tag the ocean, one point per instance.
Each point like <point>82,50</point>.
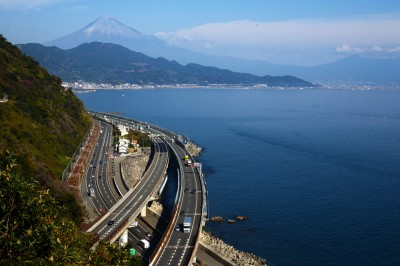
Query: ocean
<point>317,172</point>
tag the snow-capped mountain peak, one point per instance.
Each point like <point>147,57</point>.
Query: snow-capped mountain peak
<point>110,26</point>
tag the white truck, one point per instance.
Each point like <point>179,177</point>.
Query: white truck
<point>187,224</point>
<point>91,192</point>
<point>144,243</point>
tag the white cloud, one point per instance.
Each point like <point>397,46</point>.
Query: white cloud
<point>260,39</point>
<point>347,49</point>
<point>24,4</point>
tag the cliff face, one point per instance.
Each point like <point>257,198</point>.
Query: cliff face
<point>42,122</point>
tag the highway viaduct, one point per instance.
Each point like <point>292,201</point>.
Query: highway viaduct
<point>175,247</point>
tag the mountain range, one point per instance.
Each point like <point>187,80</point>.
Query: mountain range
<point>350,69</point>
<point>114,64</point>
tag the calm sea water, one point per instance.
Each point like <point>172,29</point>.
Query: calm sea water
<point>317,172</point>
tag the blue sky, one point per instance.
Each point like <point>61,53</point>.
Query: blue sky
<point>300,32</point>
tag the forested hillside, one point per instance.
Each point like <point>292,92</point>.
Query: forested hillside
<point>41,124</point>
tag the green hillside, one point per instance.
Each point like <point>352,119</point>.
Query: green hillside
<point>41,124</point>
<point>111,63</point>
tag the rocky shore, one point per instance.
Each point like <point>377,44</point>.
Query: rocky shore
<point>193,149</point>
<point>228,252</point>
<point>133,167</point>
<point>218,246</point>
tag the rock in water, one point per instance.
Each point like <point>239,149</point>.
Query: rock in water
<point>217,219</point>
<point>241,217</point>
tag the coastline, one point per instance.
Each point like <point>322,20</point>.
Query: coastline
<point>221,250</point>
<point>215,244</point>
<point>87,87</point>
<point>92,87</point>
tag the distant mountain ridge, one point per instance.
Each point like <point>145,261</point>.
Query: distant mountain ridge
<point>351,69</point>
<point>110,30</point>
<point>111,63</point>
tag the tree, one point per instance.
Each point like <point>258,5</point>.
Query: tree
<point>34,229</point>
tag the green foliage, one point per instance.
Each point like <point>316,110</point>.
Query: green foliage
<point>35,230</point>
<point>112,254</point>
<point>115,64</point>
<point>42,122</point>
<point>142,138</point>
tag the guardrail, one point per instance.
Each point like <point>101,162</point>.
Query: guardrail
<point>115,236</point>
<point>161,245</point>
<point>75,156</point>
<point>204,204</point>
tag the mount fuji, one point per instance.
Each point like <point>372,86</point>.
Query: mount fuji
<point>110,30</point>
<point>351,69</point>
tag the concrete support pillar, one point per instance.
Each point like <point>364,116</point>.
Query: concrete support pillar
<point>123,239</point>
<point>143,212</point>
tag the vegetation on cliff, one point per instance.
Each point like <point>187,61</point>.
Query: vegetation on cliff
<point>41,124</point>
<point>35,230</point>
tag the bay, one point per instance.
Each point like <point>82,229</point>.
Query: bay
<point>316,171</point>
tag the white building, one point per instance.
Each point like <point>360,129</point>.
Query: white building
<point>123,129</point>
<point>123,145</point>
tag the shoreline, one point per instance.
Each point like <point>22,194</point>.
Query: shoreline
<point>134,167</point>
<point>222,250</point>
<point>91,87</point>
<point>87,87</point>
<point>217,245</point>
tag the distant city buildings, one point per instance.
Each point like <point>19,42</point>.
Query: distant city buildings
<point>82,87</point>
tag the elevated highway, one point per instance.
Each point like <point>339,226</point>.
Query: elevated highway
<point>119,216</point>
<point>175,247</point>
<point>178,247</point>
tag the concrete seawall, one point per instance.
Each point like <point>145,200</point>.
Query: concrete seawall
<point>212,250</point>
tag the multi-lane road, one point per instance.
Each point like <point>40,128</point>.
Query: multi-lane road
<point>118,217</point>
<point>97,178</point>
<point>175,247</point>
<point>180,245</point>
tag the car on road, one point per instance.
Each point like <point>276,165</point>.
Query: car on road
<point>182,213</point>
<point>194,191</point>
<point>186,189</point>
<point>177,228</point>
<point>111,222</point>
<point>148,234</point>
<point>100,209</point>
<point>99,176</point>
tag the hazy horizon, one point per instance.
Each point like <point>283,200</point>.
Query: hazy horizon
<point>302,33</point>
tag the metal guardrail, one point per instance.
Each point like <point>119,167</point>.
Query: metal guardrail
<point>163,242</point>
<point>154,258</point>
<point>116,235</point>
<point>77,153</point>
<point>123,198</point>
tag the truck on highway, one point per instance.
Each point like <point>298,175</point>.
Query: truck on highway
<point>144,243</point>
<point>189,163</point>
<point>187,223</point>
